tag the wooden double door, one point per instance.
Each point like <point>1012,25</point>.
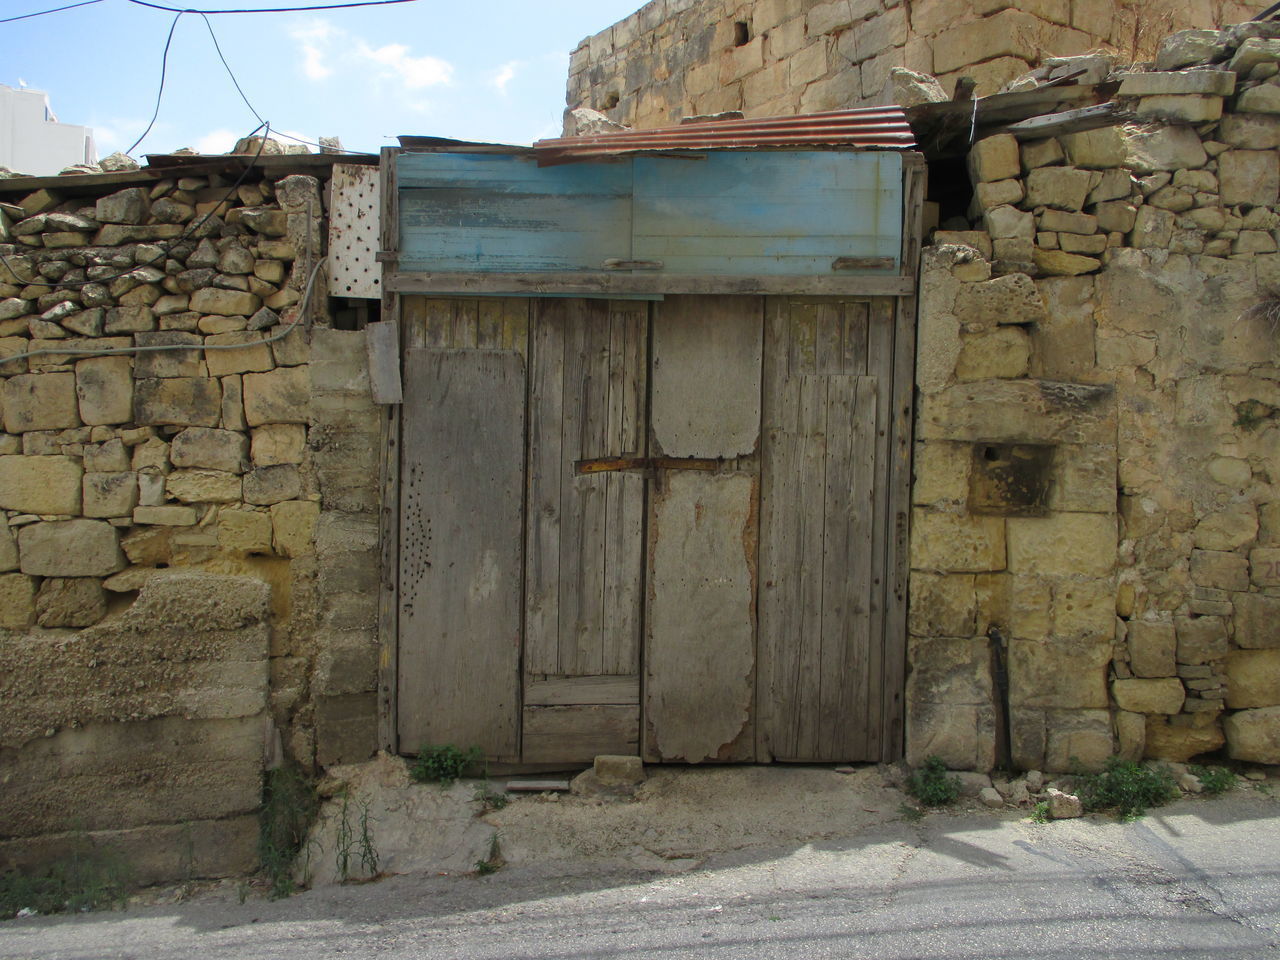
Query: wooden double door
<point>660,528</point>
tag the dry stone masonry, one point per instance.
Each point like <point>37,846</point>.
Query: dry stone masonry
<point>683,58</point>
<point>1099,436</point>
<point>187,523</point>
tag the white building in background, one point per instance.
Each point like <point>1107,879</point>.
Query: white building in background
<point>32,140</point>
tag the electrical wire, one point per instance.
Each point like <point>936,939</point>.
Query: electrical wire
<point>164,347</point>
<point>41,13</point>
<point>186,234</point>
<point>327,6</point>
<point>164,68</point>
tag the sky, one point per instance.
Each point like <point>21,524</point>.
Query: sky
<point>492,70</point>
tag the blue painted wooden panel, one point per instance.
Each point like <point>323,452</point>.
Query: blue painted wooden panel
<point>719,213</point>
<point>775,213</point>
<point>495,213</point>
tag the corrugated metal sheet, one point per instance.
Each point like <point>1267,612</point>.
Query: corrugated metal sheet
<point>873,128</point>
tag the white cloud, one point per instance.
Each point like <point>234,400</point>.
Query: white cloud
<point>504,75</point>
<point>326,48</point>
<point>217,141</point>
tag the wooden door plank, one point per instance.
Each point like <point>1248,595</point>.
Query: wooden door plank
<point>564,691</point>
<point>880,339</point>
<point>580,733</point>
<point>811,493</point>
<point>461,550</point>
<point>547,462</point>
<point>829,337</point>
<point>837,605</point>
<point>855,338</point>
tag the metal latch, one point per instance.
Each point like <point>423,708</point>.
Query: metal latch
<point>646,464</point>
<point>614,263</point>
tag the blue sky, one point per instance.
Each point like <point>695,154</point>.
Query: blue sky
<point>492,70</point>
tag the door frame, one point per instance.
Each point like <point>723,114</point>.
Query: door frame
<point>904,290</point>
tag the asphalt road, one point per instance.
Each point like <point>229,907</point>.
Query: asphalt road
<point>1197,879</point>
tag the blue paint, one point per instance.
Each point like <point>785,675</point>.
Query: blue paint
<point>727,213</point>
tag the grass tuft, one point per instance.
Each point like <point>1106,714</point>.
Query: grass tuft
<point>931,784</point>
<point>88,878</point>
<point>445,764</point>
<point>1128,788</point>
<point>289,807</point>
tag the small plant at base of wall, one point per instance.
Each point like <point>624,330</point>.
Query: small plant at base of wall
<point>88,878</point>
<point>445,764</point>
<point>289,806</point>
<point>1128,788</point>
<point>1214,780</point>
<point>931,784</point>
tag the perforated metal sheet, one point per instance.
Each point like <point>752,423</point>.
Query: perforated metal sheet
<point>354,230</point>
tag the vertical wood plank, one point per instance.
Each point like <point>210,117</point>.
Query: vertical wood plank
<point>461,550</point>
<point>811,470</point>
<point>880,339</point>
<point>547,462</point>
<point>855,338</point>
<point>389,484</point>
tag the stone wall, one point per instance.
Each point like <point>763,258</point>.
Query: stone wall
<point>1098,447</point>
<point>681,58</point>
<point>186,534</point>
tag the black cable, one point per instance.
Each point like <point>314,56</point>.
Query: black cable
<point>327,6</point>
<point>164,66</point>
<point>41,13</point>
<point>186,234</point>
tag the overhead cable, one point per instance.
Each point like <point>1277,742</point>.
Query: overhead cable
<point>324,6</point>
<point>41,13</point>
<point>164,67</point>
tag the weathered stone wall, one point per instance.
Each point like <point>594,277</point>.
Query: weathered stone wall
<point>682,58</point>
<point>1098,456</point>
<point>145,495</point>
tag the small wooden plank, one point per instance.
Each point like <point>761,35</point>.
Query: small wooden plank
<point>579,734</point>
<point>811,456</point>
<point>854,341</point>
<point>389,564</point>
<point>839,607</point>
<point>382,343</point>
<point>461,550</point>
<point>536,785</point>
<point>408,279</point>
<point>829,337</point>
<point>881,361</point>
<point>561,691</point>
<point>1069,121</point>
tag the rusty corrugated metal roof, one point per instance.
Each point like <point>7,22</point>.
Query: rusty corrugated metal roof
<point>871,128</point>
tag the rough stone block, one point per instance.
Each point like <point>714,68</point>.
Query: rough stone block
<point>1220,570</point>
<point>941,473</point>
<point>1008,221</point>
<point>70,602</point>
<point>942,605</point>
<point>1002,352</point>
<point>995,158</point>
<point>41,485</point>
<point>1064,545</point>
<point>1227,529</point>
<point>1177,740</point>
<point>1084,608</point>
<point>1201,639</point>
<point>129,319</point>
<point>104,390</point>
<point>17,601</point>
<point>1256,621</point>
<point>70,548</point>
<point>225,450</point>
<point>346,728</point>
<point>617,771</point>
<point>1078,738</point>
<point>253,357</point>
<point>1066,674</point>
<point>1264,566</point>
<point>1116,216</point>
<point>1253,678</point>
<point>244,531</point>
<point>1181,109</point>
<point>225,303</point>
<point>1152,228</point>
<point>276,443</point>
<point>1060,263</point>
<point>268,485</point>
<point>1254,735</point>
<point>1131,735</point>
<point>40,401</point>
<point>280,396</point>
<point>1064,188</point>
<point>1153,648</point>
<point>178,401</point>
<point>110,494</point>
<point>8,547</point>
<point>957,544</point>
<point>1098,149</point>
<point>203,486</point>
<point>1164,695</point>
<point>1250,131</point>
<point>169,516</point>
<point>1217,83</point>
<point>1157,148</point>
<point>1011,299</point>
<point>169,363</point>
<point>962,735</point>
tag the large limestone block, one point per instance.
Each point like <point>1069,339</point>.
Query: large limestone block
<point>1101,149</point>
<point>1201,639</point>
<point>1161,147</point>
<point>43,485</point>
<point>40,401</point>
<point>281,396</point>
<point>1011,299</point>
<point>1068,674</point>
<point>1264,566</point>
<point>225,303</point>
<point>1249,176</point>
<point>1084,608</point>
<point>17,601</point>
<point>1002,352</point>
<point>250,354</point>
<point>1218,83</point>
<point>1153,648</point>
<point>942,605</point>
<point>244,531</point>
<point>130,205</point>
<point>1181,738</point>
<point>1227,529</point>
<point>954,543</point>
<point>70,548</point>
<point>1254,735</point>
<point>8,547</point>
<point>1219,570</point>
<point>950,670</point>
<point>178,401</point>
<point>70,602</point>
<point>110,494</point>
<point>1191,47</point>
<point>995,158</point>
<point>104,390</point>
<point>1253,678</point>
<point>1260,99</point>
<point>275,443</point>
<point>1063,545</point>
<point>1152,228</point>
<point>1256,621</point>
<point>1149,696</point>
<point>293,525</point>
<point>997,411</point>
<point>203,486</point>
<point>1078,739</point>
<point>267,485</point>
<point>213,449</point>
<point>1250,131</point>
<point>1064,188</point>
<point>1060,263</point>
<point>169,363</point>
<point>962,735</point>
<point>1180,109</point>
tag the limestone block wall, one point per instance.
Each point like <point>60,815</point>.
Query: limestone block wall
<point>682,58</point>
<point>147,496</point>
<point>1098,447</point>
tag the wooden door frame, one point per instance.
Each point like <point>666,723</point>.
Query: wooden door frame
<point>904,289</point>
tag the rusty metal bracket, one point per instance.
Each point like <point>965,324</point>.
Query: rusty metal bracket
<point>614,263</point>
<point>863,263</point>
<point>646,464</point>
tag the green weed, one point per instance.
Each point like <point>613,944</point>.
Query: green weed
<point>289,807</point>
<point>494,861</point>
<point>355,842</point>
<point>1127,787</point>
<point>931,784</point>
<point>1215,780</point>
<point>909,813</point>
<point>490,799</point>
<point>1040,812</point>
<point>86,879</point>
<point>445,764</point>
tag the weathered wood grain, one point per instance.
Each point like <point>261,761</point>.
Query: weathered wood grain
<point>461,501</point>
<point>579,733</point>
<point>561,691</point>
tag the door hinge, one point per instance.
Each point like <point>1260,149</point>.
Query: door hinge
<point>616,464</point>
